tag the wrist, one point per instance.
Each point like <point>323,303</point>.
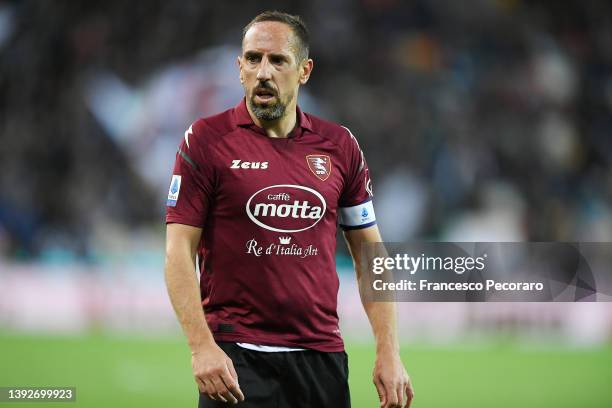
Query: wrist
<point>201,344</point>
<point>387,349</point>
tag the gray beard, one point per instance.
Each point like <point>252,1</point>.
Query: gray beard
<point>269,112</point>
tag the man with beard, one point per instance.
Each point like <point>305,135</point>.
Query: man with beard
<point>256,195</point>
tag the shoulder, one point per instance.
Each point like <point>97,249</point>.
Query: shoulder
<point>213,127</point>
<point>201,137</point>
<point>334,132</point>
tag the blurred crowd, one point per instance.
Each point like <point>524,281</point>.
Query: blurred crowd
<point>484,120</point>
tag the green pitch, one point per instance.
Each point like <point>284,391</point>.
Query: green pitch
<point>132,372</point>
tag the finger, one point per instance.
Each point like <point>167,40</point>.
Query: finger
<point>201,385</point>
<point>232,386</point>
<point>409,394</point>
<point>222,391</point>
<point>210,389</point>
<point>391,394</point>
<point>399,393</point>
<point>381,392</point>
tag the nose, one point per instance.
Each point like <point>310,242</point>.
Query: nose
<point>263,73</point>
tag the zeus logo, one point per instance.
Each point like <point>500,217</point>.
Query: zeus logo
<point>239,164</point>
<point>303,211</point>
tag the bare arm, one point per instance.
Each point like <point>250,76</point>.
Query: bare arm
<point>182,284</point>
<point>213,370</point>
<point>390,377</point>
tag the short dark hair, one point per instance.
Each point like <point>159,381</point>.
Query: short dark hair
<point>296,24</point>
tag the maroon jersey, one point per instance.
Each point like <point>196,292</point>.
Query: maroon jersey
<point>269,212</point>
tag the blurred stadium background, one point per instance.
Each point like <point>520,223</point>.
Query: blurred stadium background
<point>483,120</point>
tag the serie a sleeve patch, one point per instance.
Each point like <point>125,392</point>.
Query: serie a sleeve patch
<point>358,216</point>
<point>175,189</point>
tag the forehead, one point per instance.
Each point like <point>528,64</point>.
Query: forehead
<point>269,36</point>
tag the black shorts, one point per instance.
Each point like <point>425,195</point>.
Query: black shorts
<point>291,379</point>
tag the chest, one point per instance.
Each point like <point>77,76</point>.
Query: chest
<point>296,181</point>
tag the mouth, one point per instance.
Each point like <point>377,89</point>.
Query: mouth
<point>264,94</point>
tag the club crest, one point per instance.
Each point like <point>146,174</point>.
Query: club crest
<point>320,165</point>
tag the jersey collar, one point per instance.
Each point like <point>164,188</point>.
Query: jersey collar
<point>243,119</point>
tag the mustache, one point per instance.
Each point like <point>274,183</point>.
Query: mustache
<point>265,86</point>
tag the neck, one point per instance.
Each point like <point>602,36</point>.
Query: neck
<point>280,127</point>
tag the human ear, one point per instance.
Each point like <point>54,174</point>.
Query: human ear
<point>239,63</point>
<point>305,70</point>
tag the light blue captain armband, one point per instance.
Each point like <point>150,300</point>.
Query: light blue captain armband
<point>358,216</point>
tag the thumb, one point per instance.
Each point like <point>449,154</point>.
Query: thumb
<point>232,370</point>
<point>234,375</point>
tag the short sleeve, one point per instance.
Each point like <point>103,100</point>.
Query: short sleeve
<point>192,183</point>
<point>356,207</point>
<point>358,186</point>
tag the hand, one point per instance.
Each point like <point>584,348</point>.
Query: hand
<point>392,381</point>
<point>215,374</point>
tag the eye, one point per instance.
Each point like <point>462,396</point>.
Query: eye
<point>252,58</point>
<point>276,60</point>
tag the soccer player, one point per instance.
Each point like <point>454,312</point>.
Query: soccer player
<point>255,197</point>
